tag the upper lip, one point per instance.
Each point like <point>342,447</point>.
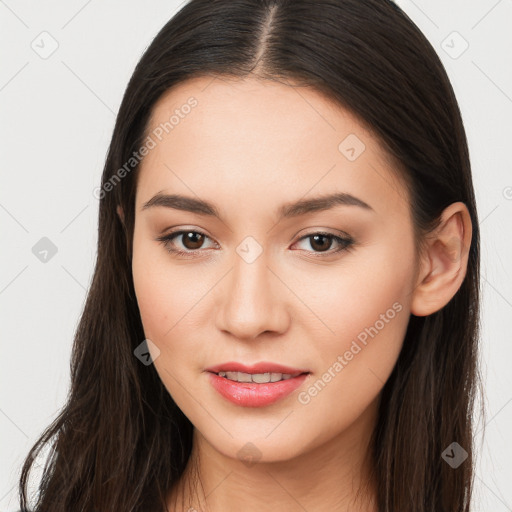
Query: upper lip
<point>263,367</point>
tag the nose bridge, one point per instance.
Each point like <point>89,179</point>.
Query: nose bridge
<point>252,302</point>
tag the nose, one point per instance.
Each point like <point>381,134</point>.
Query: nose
<point>253,300</point>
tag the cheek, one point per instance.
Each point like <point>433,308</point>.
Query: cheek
<point>357,360</point>
<point>367,311</point>
<point>169,301</point>
<point>368,289</point>
<point>153,298</point>
<point>161,309</point>
<point>156,288</point>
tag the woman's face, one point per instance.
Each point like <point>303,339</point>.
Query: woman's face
<point>264,280</point>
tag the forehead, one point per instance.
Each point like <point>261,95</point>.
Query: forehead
<point>251,139</point>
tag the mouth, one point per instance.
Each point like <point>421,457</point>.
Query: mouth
<point>258,385</point>
<point>258,378</point>
<point>259,373</point>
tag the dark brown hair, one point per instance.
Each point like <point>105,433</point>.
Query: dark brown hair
<point>120,442</point>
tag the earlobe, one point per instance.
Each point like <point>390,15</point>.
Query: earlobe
<point>444,265</point>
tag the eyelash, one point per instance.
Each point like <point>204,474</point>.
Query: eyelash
<point>346,243</point>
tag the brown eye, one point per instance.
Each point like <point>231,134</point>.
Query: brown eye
<point>184,243</point>
<point>321,242</point>
<point>192,240</point>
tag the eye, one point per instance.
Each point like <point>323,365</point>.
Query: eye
<point>192,242</point>
<point>322,243</point>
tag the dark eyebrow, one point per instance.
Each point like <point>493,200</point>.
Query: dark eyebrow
<point>288,210</point>
<point>325,202</point>
<point>185,203</point>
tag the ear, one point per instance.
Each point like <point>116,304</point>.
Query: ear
<point>443,267</point>
<point>120,213</point>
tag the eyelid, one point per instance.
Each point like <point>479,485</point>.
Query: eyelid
<point>170,236</point>
<point>345,240</point>
<point>324,231</point>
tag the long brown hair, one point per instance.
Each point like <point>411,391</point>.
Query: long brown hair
<point>120,442</point>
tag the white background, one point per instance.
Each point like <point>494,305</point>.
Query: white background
<point>57,116</point>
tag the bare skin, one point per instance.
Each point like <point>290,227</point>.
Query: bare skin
<point>249,147</point>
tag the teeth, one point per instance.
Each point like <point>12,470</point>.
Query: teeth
<point>258,378</point>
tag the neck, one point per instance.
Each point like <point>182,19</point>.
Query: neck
<point>326,478</point>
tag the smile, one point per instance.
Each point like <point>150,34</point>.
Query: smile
<point>261,390</point>
<point>258,378</point>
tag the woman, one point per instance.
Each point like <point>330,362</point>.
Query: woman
<point>284,309</point>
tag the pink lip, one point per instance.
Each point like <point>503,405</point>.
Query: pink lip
<point>250,394</point>
<point>263,367</point>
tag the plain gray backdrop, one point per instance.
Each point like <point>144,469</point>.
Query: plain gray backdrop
<point>64,68</point>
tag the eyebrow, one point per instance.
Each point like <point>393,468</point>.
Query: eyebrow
<point>287,210</point>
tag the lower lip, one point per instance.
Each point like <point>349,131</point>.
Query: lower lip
<point>250,394</point>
